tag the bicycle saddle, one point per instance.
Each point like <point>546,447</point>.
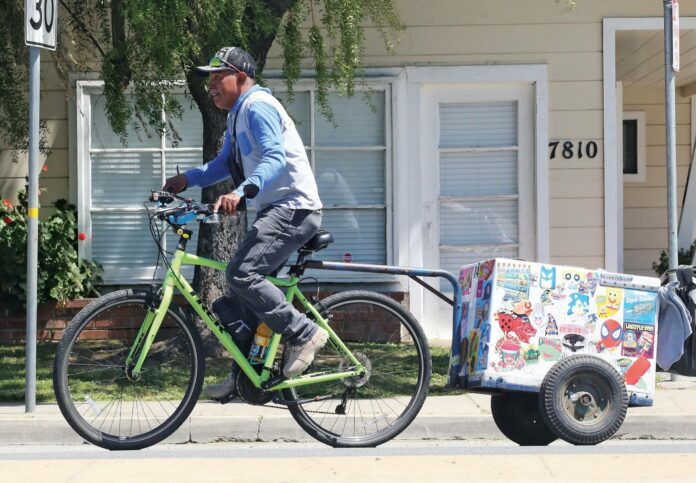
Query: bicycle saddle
<point>319,241</point>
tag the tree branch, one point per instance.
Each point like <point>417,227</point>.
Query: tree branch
<point>84,29</point>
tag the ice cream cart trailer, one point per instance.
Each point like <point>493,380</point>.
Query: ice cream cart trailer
<point>563,351</point>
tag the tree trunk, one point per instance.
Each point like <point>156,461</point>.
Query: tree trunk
<point>218,241</point>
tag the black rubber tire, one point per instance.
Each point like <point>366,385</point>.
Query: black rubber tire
<point>418,355</point>
<point>189,343</point>
<point>605,389</point>
<point>518,417</point>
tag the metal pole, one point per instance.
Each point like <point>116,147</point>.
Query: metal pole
<point>673,224</point>
<point>33,227</point>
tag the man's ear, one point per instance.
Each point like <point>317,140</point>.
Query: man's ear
<point>241,78</point>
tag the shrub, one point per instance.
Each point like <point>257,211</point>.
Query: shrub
<point>61,274</point>
<point>684,257</point>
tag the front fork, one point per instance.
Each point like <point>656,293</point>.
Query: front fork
<point>151,324</point>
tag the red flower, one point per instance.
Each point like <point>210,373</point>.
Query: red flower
<point>7,204</point>
<point>82,237</point>
<point>44,168</point>
<point>8,220</point>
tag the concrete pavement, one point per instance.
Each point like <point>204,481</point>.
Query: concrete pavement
<point>465,416</point>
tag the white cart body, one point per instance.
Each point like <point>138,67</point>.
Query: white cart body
<point>520,318</point>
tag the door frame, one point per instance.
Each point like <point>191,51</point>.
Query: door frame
<point>408,158</point>
<point>613,169</point>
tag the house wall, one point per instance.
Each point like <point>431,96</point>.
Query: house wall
<point>466,32</point>
<point>645,203</point>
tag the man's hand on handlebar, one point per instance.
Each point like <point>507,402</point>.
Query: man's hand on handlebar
<point>227,204</point>
<point>175,184</point>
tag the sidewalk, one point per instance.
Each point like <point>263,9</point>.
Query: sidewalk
<point>467,416</point>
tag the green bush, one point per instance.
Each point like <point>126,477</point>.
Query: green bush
<point>61,274</point>
<point>684,257</point>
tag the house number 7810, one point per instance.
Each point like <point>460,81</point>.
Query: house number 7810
<point>571,149</point>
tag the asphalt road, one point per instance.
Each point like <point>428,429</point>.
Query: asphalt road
<point>396,461</point>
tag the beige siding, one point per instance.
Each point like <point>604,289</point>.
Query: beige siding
<point>468,32</point>
<point>645,203</point>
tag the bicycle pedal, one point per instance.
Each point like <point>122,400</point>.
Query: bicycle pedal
<point>228,398</point>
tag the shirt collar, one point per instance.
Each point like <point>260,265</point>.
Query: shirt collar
<point>243,97</point>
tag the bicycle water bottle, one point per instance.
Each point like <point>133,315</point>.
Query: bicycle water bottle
<point>259,347</point>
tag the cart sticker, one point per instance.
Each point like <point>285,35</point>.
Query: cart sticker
<point>573,278</point>
<point>531,354</point>
<point>636,371</point>
<point>609,303</point>
<point>614,278</point>
<point>579,305</point>
<point>638,340</point>
<point>472,359</point>
<point>640,307</point>
<point>612,336</point>
<point>574,342</point>
<point>466,277</point>
<point>623,364</point>
<point>551,327</point>
<point>549,349</point>
<point>483,347</point>
<point>511,322</point>
<point>547,277</point>
<point>515,280</point>
<point>485,270</point>
<point>509,350</point>
<point>537,317</point>
<point>546,297</point>
<point>463,355</point>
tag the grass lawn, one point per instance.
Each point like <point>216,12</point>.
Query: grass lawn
<point>12,372</point>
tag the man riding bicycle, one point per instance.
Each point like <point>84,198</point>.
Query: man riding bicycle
<point>263,148</point>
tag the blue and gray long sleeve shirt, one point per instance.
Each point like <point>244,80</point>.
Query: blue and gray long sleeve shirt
<point>272,152</point>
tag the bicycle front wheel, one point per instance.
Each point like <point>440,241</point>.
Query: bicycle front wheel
<point>99,396</point>
<point>372,408</point>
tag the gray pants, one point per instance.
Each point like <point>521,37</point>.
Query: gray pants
<point>274,237</point>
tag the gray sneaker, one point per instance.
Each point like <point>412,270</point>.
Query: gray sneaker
<point>226,390</point>
<point>299,357</point>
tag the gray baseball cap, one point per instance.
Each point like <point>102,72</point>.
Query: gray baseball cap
<point>229,58</point>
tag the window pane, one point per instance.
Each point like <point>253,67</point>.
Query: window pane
<point>124,179</point>
<point>478,222</point>
<point>358,232</point>
<point>122,240</point>
<point>491,124</point>
<point>189,128</point>
<point>299,112</point>
<point>351,178</point>
<point>630,146</point>
<point>356,123</point>
<point>477,174</point>
<point>102,135</point>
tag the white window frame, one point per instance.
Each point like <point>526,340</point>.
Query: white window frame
<point>638,116</point>
<point>383,83</point>
<point>84,91</point>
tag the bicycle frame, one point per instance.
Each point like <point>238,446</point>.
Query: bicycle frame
<point>172,280</point>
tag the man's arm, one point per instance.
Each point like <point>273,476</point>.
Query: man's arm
<point>215,170</point>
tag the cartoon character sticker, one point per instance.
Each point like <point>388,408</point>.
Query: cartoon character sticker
<point>638,340</point>
<point>573,278</point>
<point>547,278</point>
<point>519,324</point>
<point>612,335</point>
<point>509,351</point>
<point>608,304</point>
<point>466,276</point>
<point>550,349</point>
<point>579,304</point>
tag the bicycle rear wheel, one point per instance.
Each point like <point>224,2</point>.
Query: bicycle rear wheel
<point>372,408</point>
<point>96,393</point>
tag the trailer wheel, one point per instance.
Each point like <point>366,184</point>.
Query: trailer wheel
<point>518,417</point>
<point>583,399</point>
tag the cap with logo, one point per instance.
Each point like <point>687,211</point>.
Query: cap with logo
<point>229,58</point>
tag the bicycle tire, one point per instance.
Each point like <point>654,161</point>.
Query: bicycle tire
<point>91,363</point>
<point>371,325</point>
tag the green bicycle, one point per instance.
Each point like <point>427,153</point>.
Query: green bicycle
<point>130,366</point>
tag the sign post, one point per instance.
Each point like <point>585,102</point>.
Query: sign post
<point>40,21</point>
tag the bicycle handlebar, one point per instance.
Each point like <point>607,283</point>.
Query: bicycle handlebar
<point>188,209</point>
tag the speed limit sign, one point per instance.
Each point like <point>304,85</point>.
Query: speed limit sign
<point>41,23</point>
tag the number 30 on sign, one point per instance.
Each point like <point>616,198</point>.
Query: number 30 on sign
<point>573,149</point>
<point>40,22</point>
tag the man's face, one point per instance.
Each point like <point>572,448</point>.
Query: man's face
<point>225,88</point>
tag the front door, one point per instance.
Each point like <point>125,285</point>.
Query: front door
<point>478,179</point>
